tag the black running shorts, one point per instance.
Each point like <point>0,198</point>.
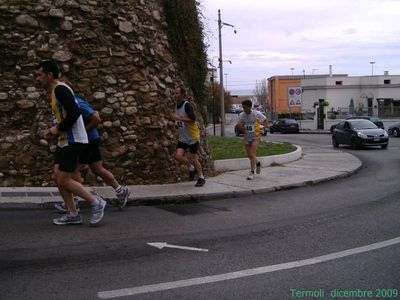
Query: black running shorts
<point>92,153</point>
<point>193,148</point>
<point>67,157</point>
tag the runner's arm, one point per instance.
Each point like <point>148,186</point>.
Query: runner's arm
<point>190,112</point>
<point>94,121</point>
<point>241,123</point>
<point>67,100</point>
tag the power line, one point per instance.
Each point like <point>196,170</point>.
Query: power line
<point>230,85</point>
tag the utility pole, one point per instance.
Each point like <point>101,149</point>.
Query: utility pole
<point>213,104</point>
<point>221,71</point>
<point>221,78</point>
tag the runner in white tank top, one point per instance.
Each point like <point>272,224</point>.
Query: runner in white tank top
<point>250,121</point>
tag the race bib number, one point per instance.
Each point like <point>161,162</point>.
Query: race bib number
<point>180,124</point>
<point>250,128</point>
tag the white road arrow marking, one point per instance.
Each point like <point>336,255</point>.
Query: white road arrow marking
<point>161,245</point>
<point>164,286</point>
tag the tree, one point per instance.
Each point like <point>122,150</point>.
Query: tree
<point>261,92</point>
<point>214,103</point>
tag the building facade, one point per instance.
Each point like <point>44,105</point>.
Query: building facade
<point>280,88</point>
<point>344,95</point>
<point>377,95</point>
<point>278,97</point>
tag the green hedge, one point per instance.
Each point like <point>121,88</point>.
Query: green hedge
<point>185,35</point>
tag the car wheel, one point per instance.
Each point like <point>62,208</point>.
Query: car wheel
<point>384,146</point>
<point>396,132</point>
<point>353,144</point>
<point>334,142</point>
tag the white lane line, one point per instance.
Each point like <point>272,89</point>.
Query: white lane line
<point>243,273</point>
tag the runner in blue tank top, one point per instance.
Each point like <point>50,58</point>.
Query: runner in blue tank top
<point>92,156</point>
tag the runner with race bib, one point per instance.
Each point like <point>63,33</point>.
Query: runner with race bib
<point>250,121</point>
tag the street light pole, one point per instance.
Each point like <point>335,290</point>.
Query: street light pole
<point>372,66</point>
<point>221,71</point>
<point>213,104</point>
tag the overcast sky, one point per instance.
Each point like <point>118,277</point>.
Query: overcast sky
<point>275,36</point>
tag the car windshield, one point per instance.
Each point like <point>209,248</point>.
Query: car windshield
<point>362,124</point>
<point>361,117</point>
<point>375,120</point>
<point>290,121</point>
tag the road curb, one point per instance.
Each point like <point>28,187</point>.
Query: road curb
<point>227,185</point>
<point>224,165</point>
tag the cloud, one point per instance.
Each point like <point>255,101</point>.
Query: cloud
<point>273,37</point>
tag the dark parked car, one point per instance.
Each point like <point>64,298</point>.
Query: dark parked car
<point>284,126</point>
<point>394,129</point>
<point>238,131</point>
<point>359,133</point>
<point>377,121</point>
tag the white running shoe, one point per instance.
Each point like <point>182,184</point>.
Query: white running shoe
<point>67,219</point>
<point>251,176</point>
<point>258,167</point>
<point>123,197</point>
<point>98,211</point>
<point>62,208</point>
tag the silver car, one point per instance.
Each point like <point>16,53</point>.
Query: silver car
<point>394,129</point>
<point>359,133</point>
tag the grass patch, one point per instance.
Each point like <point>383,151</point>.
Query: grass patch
<point>223,147</point>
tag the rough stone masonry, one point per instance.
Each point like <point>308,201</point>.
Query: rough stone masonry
<point>115,54</point>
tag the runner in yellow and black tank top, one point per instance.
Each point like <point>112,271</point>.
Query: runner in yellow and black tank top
<point>189,136</point>
<point>188,131</point>
<point>71,125</point>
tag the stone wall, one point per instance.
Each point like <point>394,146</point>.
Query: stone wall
<point>115,54</point>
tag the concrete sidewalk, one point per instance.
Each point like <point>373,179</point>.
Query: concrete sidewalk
<point>310,167</point>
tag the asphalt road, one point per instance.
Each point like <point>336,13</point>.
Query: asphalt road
<point>324,240</point>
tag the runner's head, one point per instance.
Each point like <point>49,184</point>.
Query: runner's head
<point>49,66</point>
<point>47,72</point>
<point>180,93</point>
<point>247,104</point>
